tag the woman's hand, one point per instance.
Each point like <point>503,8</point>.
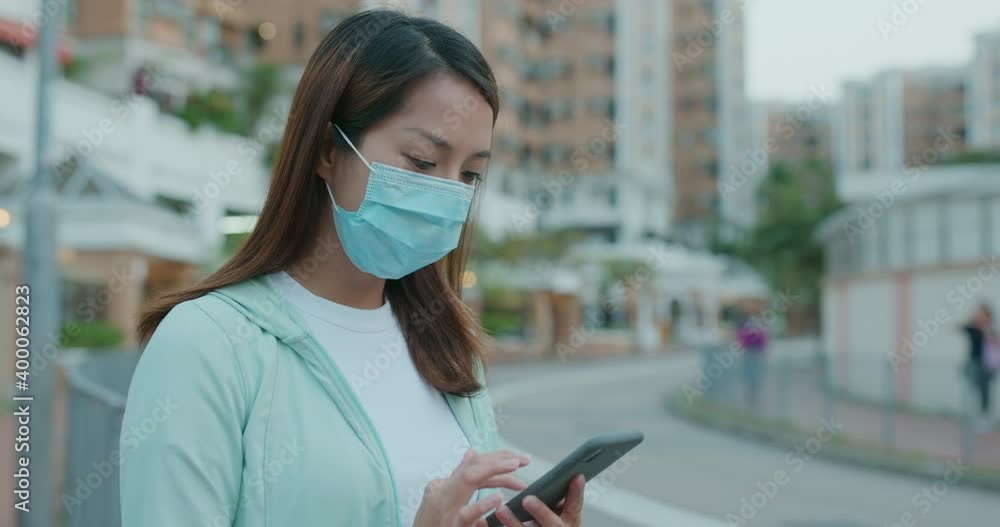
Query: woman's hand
<point>446,501</point>
<point>570,515</point>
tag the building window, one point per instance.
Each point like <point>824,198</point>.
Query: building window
<point>712,169</point>
<point>299,35</point>
<point>526,154</point>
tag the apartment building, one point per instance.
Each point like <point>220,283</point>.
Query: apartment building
<point>901,119</point>
<point>583,127</point>
<point>711,114</point>
<point>983,96</point>
<point>190,44</point>
<point>291,29</point>
<point>584,134</point>
<point>799,137</point>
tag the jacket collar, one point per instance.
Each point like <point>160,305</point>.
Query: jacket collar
<point>265,307</point>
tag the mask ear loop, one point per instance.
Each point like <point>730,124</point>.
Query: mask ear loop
<point>363,160</point>
<point>349,143</point>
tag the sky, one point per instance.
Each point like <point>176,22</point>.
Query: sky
<point>796,45</point>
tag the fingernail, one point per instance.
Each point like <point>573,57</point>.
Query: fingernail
<point>530,501</point>
<point>513,463</point>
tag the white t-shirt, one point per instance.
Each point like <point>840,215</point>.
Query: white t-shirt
<point>413,420</point>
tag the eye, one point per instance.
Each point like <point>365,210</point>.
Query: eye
<point>420,164</point>
<point>471,178</point>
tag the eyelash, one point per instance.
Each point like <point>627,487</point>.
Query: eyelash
<point>420,164</point>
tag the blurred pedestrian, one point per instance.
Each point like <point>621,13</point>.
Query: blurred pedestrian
<point>329,373</point>
<point>983,360</point>
<point>752,337</point>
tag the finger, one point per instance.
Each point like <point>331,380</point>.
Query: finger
<point>572,510</point>
<point>483,467</point>
<point>507,518</point>
<point>542,514</point>
<point>505,481</point>
<point>468,514</point>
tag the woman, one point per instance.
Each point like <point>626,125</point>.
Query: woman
<point>752,337</point>
<point>982,347</point>
<point>329,374</point>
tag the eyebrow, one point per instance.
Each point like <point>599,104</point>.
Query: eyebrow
<point>440,142</point>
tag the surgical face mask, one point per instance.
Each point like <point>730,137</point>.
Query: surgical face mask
<point>406,220</point>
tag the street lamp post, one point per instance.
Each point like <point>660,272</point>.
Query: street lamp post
<point>40,268</point>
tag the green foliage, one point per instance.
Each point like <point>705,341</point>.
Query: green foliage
<point>972,157</point>
<point>75,69</point>
<point>212,107</point>
<point>95,334</point>
<point>222,110</point>
<point>271,154</point>
<point>618,270</point>
<point>498,323</point>
<point>782,247</point>
<point>532,247</point>
<point>263,83</point>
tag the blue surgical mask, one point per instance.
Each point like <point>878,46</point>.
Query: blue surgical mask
<point>406,220</point>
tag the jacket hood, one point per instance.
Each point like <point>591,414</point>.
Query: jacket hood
<point>262,304</point>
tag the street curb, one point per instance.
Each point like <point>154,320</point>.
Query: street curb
<point>785,435</point>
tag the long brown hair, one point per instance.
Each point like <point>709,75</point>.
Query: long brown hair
<point>361,73</point>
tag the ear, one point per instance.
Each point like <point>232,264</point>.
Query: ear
<point>327,155</point>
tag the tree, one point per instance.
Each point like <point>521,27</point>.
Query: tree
<point>792,202</point>
<point>545,246</point>
<point>263,83</point>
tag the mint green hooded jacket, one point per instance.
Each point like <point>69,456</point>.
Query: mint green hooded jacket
<point>236,416</point>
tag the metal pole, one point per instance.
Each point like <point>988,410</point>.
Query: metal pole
<point>966,439</point>
<point>40,268</point>
<point>827,382</point>
<point>889,406</point>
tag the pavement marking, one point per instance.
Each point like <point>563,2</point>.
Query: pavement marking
<point>619,503</point>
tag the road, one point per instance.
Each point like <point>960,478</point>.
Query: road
<point>549,408</point>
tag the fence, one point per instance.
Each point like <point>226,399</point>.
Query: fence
<point>97,386</point>
<point>799,389</point>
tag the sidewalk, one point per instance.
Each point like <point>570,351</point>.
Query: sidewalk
<point>796,394</point>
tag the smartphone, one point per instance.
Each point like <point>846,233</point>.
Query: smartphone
<point>590,459</point>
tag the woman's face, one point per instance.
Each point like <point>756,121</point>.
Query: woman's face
<point>444,129</point>
<point>983,316</point>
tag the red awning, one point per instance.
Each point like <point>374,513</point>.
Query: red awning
<point>24,36</point>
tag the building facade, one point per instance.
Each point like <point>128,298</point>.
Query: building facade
<point>921,264</point>
<point>710,121</point>
<point>582,88</point>
<point>584,135</point>
<point>901,119</point>
<point>983,101</point>
<point>799,139</point>
<point>192,45</point>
